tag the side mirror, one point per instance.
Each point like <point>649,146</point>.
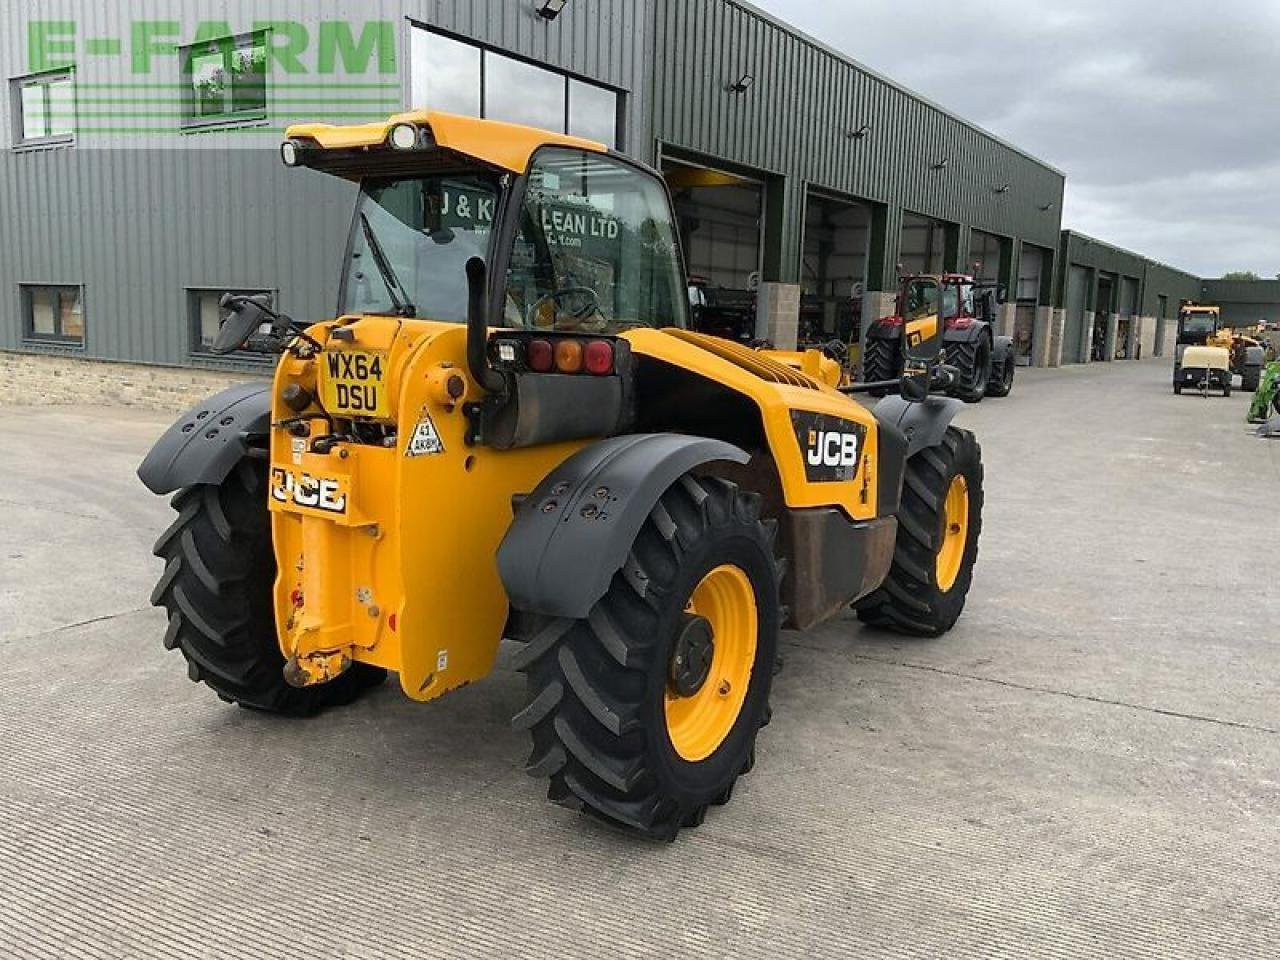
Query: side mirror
<point>241,319</point>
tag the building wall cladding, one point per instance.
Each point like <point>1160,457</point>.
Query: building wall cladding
<point>794,123</point>
<point>1244,302</point>
<point>138,219</point>
<point>1155,279</point>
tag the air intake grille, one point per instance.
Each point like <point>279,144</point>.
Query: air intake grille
<point>750,360</point>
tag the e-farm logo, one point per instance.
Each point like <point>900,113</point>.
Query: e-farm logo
<point>167,76</point>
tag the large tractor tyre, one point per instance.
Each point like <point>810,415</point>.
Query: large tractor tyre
<point>881,361</point>
<point>1177,388</point>
<point>645,713</point>
<point>939,523</point>
<point>1001,382</point>
<point>973,360</point>
<point>1250,378</point>
<point>217,588</point>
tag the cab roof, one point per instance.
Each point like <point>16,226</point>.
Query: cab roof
<point>506,146</point>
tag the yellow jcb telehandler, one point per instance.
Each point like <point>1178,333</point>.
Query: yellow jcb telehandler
<point>510,432</point>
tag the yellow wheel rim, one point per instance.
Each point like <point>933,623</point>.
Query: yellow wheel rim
<point>699,723</point>
<point>955,532</point>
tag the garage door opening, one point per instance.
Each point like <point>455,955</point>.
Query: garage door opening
<point>833,270</point>
<point>1105,306</point>
<point>923,244</point>
<point>984,256</point>
<point>720,216</point>
<point>1030,283</point>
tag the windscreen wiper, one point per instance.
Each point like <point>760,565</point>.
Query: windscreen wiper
<point>389,278</point>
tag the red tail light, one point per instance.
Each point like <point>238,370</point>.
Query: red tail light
<point>960,323</point>
<point>598,357</point>
<point>892,321</point>
<point>540,356</point>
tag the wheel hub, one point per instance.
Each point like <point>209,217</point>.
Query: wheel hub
<point>694,652</point>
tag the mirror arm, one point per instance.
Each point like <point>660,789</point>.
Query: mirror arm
<point>870,385</point>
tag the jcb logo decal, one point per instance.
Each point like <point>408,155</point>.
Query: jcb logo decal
<point>830,448</point>
<point>304,490</point>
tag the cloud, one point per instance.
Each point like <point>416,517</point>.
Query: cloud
<point>1165,116</point>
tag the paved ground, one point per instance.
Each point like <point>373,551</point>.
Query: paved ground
<point>1088,766</point>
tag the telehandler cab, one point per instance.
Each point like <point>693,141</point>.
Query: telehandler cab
<point>511,432</point>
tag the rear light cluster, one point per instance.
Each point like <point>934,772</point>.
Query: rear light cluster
<point>570,355</point>
<point>892,321</point>
<point>960,323</point>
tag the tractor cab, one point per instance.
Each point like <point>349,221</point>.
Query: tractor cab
<point>1198,324</point>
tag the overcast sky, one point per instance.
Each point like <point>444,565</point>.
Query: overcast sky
<point>1164,114</point>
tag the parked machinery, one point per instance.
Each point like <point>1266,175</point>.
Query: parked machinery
<point>1203,368</point>
<point>1201,325</point>
<point>1266,399</point>
<point>510,431</point>
<point>722,311</point>
<point>985,362</point>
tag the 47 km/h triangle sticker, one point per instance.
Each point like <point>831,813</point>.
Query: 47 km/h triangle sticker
<point>425,441</point>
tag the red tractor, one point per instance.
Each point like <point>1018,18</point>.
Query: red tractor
<point>984,361</point>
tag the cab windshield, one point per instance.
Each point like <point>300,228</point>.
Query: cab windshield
<point>1197,323</point>
<point>920,299</point>
<point>411,241</point>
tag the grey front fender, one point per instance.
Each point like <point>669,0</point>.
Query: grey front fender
<point>206,443</point>
<point>923,424</point>
<point>573,533</point>
<point>905,429</point>
<point>1001,350</point>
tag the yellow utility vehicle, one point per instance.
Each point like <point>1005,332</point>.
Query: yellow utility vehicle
<point>1201,325</point>
<point>510,432</point>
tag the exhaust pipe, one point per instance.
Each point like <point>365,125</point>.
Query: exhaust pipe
<point>478,328</point>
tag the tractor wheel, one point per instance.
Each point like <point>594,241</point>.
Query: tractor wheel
<point>646,712</point>
<point>1226,389</point>
<point>1250,378</point>
<point>1001,383</point>
<point>973,360</point>
<point>217,587</point>
<point>1177,388</point>
<point>938,527</point>
<point>881,362</point>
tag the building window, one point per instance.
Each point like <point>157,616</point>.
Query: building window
<point>53,315</point>
<point>225,80</point>
<point>45,108</point>
<point>206,316</point>
<point>458,77</point>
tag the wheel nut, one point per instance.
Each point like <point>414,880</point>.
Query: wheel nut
<point>725,687</point>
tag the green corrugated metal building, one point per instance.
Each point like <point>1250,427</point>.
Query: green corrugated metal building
<point>803,181</point>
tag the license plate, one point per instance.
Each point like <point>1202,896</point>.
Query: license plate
<point>353,383</point>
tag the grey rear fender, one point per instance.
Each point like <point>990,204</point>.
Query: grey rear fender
<point>573,533</point>
<point>206,443</point>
